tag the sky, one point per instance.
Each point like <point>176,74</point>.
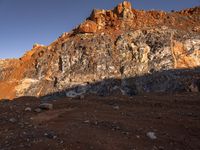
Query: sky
<point>25,22</point>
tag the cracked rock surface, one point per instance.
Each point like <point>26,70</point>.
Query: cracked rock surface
<point>121,50</point>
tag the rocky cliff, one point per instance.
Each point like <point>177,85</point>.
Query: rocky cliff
<point>121,50</point>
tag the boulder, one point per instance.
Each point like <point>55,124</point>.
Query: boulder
<point>88,27</point>
<point>98,16</point>
<point>46,106</point>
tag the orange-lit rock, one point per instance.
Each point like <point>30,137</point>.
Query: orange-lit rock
<point>124,10</point>
<point>99,16</point>
<point>187,55</point>
<point>88,27</point>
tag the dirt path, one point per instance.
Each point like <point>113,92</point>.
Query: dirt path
<point>150,122</point>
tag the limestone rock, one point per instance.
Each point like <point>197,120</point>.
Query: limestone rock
<point>25,85</point>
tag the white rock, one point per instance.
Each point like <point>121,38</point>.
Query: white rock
<point>13,120</point>
<point>116,107</point>
<point>72,94</point>
<point>38,110</point>
<point>28,109</point>
<point>151,135</point>
<point>46,106</point>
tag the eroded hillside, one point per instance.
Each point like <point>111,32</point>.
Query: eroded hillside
<point>124,50</point>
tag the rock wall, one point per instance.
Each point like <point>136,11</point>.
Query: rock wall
<point>112,51</point>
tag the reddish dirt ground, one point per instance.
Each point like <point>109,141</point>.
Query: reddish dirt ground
<point>103,123</point>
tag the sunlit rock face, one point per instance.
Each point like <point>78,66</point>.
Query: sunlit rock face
<point>121,50</point>
<point>88,27</point>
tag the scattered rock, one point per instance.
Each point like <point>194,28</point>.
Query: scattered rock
<point>194,86</point>
<point>38,110</point>
<point>87,121</point>
<point>151,135</point>
<point>137,136</point>
<point>46,106</point>
<point>116,107</point>
<point>28,109</point>
<point>50,135</point>
<point>12,120</point>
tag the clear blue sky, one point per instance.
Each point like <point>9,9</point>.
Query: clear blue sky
<point>25,22</point>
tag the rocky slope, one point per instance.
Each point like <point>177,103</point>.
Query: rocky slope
<point>121,50</point>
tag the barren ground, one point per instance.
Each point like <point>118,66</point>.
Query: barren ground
<point>103,123</point>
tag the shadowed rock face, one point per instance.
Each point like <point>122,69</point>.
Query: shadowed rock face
<point>135,49</point>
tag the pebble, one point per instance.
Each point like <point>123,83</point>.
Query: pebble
<point>87,121</point>
<point>116,107</point>
<point>151,135</point>
<point>46,106</point>
<point>13,120</point>
<point>28,109</point>
<point>38,110</point>
<point>137,136</point>
<point>50,135</point>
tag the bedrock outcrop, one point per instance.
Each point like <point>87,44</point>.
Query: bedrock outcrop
<point>122,50</point>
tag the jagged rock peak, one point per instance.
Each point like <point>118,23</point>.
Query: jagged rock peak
<point>100,18</point>
<point>124,10</point>
<point>123,18</point>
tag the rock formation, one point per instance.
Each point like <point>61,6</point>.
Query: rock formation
<point>88,27</point>
<point>126,50</point>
